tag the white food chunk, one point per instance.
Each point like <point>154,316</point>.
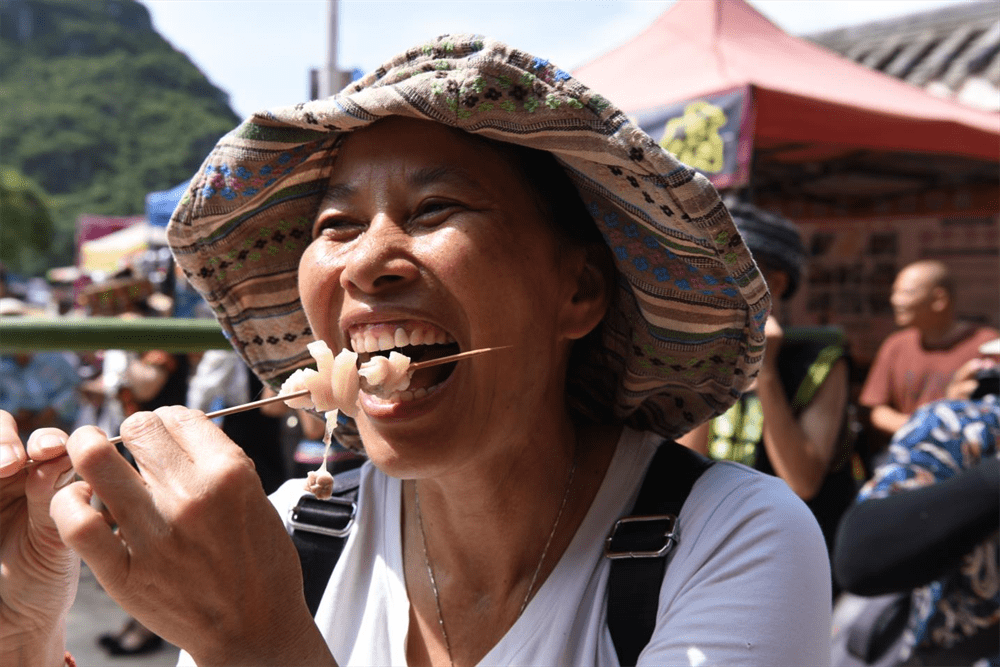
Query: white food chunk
<point>320,483</point>
<point>387,374</point>
<point>319,385</point>
<point>331,423</point>
<point>375,371</point>
<point>297,382</point>
<point>345,383</point>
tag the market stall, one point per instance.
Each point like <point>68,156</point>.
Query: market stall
<point>877,172</point>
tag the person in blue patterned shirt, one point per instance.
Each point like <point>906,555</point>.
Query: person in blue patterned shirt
<point>927,521</point>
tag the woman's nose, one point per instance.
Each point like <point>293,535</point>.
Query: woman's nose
<point>379,258</point>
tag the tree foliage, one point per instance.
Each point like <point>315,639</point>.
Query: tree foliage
<point>99,109</point>
<point>27,226</point>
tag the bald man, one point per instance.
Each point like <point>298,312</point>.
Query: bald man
<point>914,365</point>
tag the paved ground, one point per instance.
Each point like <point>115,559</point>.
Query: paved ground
<point>93,614</point>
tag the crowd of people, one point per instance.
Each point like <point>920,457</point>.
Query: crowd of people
<point>461,197</point>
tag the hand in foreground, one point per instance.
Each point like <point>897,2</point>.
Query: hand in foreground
<point>774,337</point>
<point>964,383</point>
<point>38,574</point>
<point>199,556</point>
<point>774,334</point>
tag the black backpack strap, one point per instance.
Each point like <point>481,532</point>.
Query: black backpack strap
<point>639,543</point>
<point>319,531</point>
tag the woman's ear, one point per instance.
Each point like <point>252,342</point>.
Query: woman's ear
<point>592,277</point>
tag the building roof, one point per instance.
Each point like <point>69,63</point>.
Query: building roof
<point>823,128</point>
<point>952,52</point>
<point>803,92</point>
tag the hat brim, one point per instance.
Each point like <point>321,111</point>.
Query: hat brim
<point>684,336</point>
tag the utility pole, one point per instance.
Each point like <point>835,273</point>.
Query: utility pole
<point>329,79</point>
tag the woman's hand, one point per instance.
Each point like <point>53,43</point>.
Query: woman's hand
<point>38,573</point>
<point>199,555</point>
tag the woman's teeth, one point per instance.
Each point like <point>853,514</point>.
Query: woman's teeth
<point>408,395</point>
<point>368,341</point>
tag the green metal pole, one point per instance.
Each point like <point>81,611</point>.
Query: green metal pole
<point>30,334</point>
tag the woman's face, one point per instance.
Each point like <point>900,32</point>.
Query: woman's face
<point>426,236</point>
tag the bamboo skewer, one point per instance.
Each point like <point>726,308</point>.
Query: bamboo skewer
<point>455,357</point>
<point>285,397</point>
<point>240,408</point>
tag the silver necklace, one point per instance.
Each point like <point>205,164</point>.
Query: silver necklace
<point>534,577</point>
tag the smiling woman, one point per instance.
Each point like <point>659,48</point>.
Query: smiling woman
<point>426,230</point>
<point>465,195</point>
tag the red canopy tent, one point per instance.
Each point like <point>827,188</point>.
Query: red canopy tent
<point>814,124</point>
<point>877,172</point>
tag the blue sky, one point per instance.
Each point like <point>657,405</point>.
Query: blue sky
<point>260,51</point>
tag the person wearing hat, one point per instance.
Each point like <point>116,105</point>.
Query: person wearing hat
<point>793,422</point>
<point>470,194</point>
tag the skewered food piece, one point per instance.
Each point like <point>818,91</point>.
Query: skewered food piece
<point>335,382</point>
<point>386,374</point>
<point>334,385</point>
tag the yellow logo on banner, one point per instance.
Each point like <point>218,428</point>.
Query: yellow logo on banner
<point>694,137</point>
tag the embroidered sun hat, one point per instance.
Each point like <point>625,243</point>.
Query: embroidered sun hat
<point>684,335</point>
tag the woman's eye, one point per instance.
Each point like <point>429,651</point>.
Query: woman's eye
<point>335,227</point>
<point>431,211</point>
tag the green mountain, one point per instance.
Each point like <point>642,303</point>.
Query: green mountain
<point>98,109</point>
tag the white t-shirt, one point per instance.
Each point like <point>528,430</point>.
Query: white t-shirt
<point>748,582</point>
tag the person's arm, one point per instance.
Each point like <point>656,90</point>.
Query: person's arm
<point>219,373</point>
<point>800,449</point>
<point>875,394</point>
<point>888,420</point>
<point>909,539</point>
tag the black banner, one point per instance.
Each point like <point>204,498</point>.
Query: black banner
<point>713,134</point>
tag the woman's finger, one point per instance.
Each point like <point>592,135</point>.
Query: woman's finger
<point>173,443</point>
<point>83,529</point>
<point>12,456</point>
<point>47,443</point>
<point>107,472</point>
<point>161,458</point>
<point>42,482</point>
